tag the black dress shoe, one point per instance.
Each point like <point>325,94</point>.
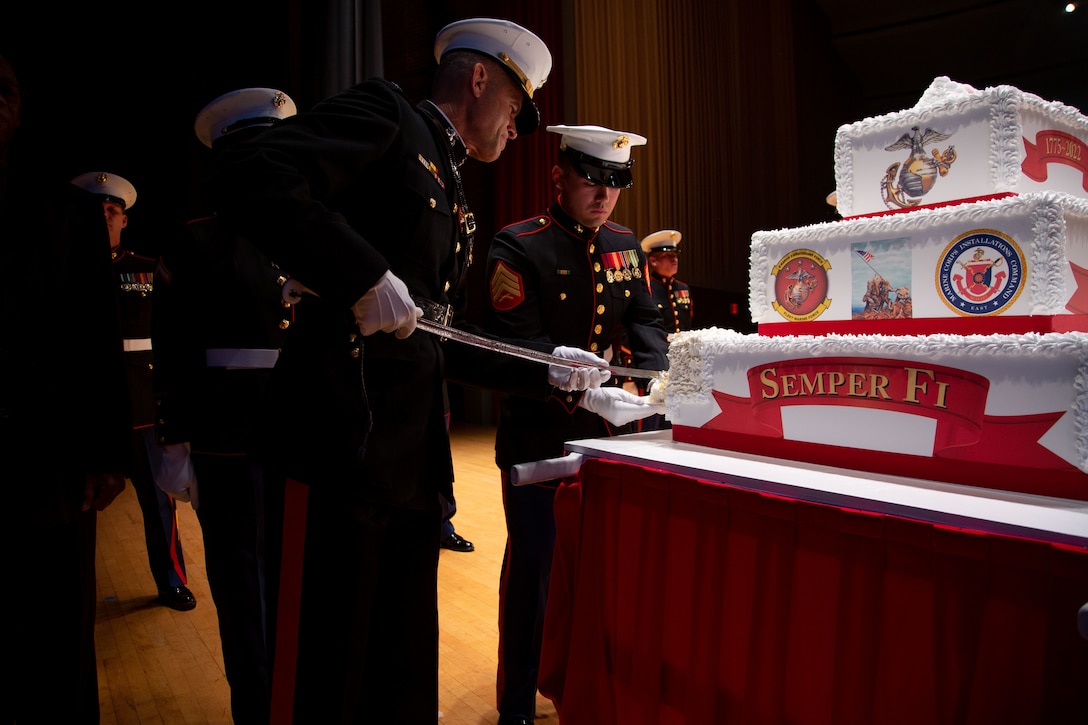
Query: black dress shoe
<point>454,542</point>
<point>179,598</point>
<point>511,720</point>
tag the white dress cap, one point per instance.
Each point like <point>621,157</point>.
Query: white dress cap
<point>520,51</point>
<point>666,240</point>
<point>599,142</point>
<point>110,187</point>
<point>243,108</point>
<point>599,154</point>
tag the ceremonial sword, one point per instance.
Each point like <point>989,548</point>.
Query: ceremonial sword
<point>525,353</point>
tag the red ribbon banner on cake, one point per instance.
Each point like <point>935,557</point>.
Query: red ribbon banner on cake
<point>955,399</point>
<point>1054,147</point>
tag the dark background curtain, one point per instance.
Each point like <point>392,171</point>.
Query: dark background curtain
<point>740,101</point>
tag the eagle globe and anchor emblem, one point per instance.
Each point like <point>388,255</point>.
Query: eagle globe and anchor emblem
<point>905,183</point>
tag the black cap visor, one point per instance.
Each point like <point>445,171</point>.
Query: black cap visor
<point>528,119</point>
<point>607,173</point>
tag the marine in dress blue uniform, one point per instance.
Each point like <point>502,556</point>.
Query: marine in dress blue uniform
<point>219,324</point>
<point>361,190</point>
<point>673,296</point>
<point>136,276</point>
<point>555,279</point>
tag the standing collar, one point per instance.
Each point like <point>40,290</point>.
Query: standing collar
<point>567,222</point>
<point>458,150</point>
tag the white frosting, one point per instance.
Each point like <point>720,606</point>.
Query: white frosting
<point>1006,138</point>
<point>943,90</point>
<point>692,357</point>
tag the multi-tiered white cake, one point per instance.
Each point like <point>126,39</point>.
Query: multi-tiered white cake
<point>940,330</point>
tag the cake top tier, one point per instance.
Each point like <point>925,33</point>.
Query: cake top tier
<point>959,143</point>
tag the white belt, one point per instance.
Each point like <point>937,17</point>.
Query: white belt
<point>233,358</point>
<point>143,343</point>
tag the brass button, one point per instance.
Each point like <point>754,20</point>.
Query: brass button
<point>593,347</point>
<point>284,324</point>
<point>458,247</point>
<point>446,288</point>
<point>596,266</point>
<point>562,295</point>
<point>355,352</point>
<point>597,329</point>
<point>627,293</point>
<point>600,287</point>
<point>281,280</point>
<point>592,248</point>
<point>600,309</point>
<point>570,398</point>
<point>433,203</point>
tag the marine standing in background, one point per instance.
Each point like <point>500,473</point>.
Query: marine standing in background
<point>136,276</point>
<point>673,297</point>
<point>219,323</point>
<point>567,277</point>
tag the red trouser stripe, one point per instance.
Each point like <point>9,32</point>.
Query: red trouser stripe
<point>290,595</point>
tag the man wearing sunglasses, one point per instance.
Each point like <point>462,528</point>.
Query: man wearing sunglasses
<point>568,276</point>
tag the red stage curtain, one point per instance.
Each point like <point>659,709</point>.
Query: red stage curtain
<point>678,601</point>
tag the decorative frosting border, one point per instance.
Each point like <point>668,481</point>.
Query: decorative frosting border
<point>694,352</point>
<point>1047,249</point>
<point>1007,106</point>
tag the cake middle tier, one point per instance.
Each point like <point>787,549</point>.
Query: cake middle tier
<point>1010,265</point>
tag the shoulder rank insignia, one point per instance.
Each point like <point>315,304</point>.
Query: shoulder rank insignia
<point>507,290</point>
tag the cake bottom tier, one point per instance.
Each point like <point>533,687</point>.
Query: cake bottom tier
<point>997,411</point>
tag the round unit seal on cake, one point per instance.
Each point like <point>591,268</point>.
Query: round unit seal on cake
<point>981,272</point>
<point>801,285</point>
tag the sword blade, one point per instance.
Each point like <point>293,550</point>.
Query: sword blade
<point>525,353</point>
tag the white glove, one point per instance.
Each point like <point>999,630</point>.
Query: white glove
<point>581,378</point>
<point>175,475</point>
<point>619,407</point>
<point>387,307</point>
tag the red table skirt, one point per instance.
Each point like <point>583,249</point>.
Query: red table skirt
<point>680,601</point>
